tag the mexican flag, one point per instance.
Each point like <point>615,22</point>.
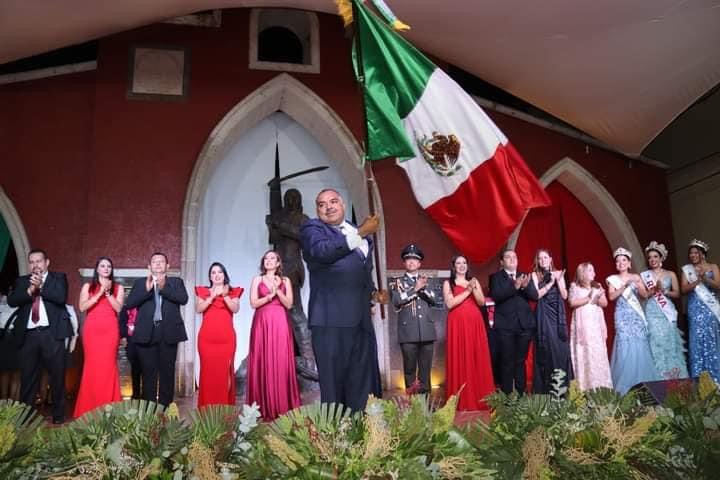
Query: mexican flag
<point>462,169</point>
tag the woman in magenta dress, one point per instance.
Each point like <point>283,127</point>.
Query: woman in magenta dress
<point>271,381</point>
<point>467,353</point>
<point>216,339</point>
<point>102,299</point>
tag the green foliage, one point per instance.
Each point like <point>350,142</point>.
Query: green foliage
<point>214,426</point>
<point>117,441</point>
<point>566,434</point>
<point>18,426</point>
<point>569,433</point>
<point>693,415</point>
<point>392,439</point>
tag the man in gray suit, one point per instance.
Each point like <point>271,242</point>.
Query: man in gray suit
<point>416,328</point>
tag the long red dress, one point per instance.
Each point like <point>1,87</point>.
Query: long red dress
<point>100,382</point>
<point>271,381</point>
<point>467,355</point>
<point>216,346</point>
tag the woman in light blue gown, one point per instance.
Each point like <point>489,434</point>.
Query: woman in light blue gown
<point>703,319</point>
<point>666,341</point>
<point>632,361</point>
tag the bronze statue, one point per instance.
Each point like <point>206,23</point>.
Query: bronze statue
<point>286,217</point>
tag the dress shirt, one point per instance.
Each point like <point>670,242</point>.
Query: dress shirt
<point>43,322</point>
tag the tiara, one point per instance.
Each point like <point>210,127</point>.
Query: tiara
<point>658,247</point>
<point>699,244</point>
<point>622,251</point>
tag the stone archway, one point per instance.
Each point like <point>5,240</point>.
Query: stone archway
<point>601,205</point>
<point>17,231</point>
<point>282,93</point>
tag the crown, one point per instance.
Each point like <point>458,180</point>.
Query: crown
<point>659,248</point>
<point>622,251</point>
<point>699,244</point>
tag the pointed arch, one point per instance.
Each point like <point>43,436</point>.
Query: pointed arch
<point>287,94</point>
<point>600,203</point>
<point>17,231</point>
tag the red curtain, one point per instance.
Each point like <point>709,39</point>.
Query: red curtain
<point>573,236</point>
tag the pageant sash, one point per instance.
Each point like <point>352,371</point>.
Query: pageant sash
<point>629,295</point>
<point>702,291</point>
<point>664,302</point>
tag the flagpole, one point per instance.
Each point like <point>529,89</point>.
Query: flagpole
<point>367,167</point>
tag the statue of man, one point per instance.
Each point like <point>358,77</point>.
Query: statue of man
<point>284,228</point>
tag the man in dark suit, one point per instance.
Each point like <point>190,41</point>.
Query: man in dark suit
<point>416,328</point>
<point>514,320</point>
<point>41,329</point>
<point>339,258</point>
<point>159,328</point>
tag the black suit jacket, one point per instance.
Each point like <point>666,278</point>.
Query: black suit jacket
<point>53,294</point>
<point>512,311</point>
<point>340,279</point>
<point>173,296</point>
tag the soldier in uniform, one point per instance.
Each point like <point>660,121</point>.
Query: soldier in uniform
<point>416,329</point>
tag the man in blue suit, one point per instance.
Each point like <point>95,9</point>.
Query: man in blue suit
<point>339,258</point>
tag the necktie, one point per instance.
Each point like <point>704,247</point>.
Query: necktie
<point>157,316</point>
<point>35,311</point>
<point>512,276</point>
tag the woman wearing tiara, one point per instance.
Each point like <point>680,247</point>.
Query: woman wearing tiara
<point>632,360</point>
<point>666,342</point>
<point>699,281</point>
<point>588,332</point>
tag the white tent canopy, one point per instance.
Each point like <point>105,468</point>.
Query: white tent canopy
<point>620,70</point>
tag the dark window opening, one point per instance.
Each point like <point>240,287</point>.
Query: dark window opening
<point>278,44</point>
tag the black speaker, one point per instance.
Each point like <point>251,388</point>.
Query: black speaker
<point>654,393</point>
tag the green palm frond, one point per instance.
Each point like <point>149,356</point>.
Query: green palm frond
<point>327,417</point>
<point>213,427</point>
<point>19,425</point>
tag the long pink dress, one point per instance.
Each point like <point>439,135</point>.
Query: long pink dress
<point>100,383</point>
<point>271,381</point>
<point>588,343</point>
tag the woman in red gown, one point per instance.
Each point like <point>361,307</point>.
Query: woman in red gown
<point>102,299</point>
<point>271,381</point>
<point>467,354</point>
<point>216,339</point>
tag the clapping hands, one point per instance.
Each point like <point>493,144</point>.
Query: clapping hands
<point>217,290</point>
<point>421,282</point>
<point>521,281</point>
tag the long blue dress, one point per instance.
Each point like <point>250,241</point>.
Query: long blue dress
<point>632,361</point>
<point>704,338</point>
<point>666,343</point>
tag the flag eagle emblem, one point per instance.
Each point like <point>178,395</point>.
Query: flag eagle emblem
<point>441,152</point>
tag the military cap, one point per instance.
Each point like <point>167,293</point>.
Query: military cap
<point>412,251</point>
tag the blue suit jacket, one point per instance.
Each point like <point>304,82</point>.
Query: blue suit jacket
<point>340,279</point>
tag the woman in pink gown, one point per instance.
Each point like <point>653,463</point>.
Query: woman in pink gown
<point>467,357</point>
<point>588,332</point>
<point>216,339</point>
<point>102,299</point>
<point>271,381</point>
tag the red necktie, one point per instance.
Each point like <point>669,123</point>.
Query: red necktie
<point>35,316</point>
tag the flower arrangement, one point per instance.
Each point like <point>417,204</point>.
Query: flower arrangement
<point>566,434</point>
